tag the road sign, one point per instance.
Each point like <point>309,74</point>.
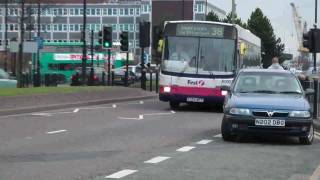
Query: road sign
<point>28,47</point>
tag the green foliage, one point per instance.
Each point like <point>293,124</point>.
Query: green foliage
<point>213,17</point>
<point>237,20</point>
<point>272,46</point>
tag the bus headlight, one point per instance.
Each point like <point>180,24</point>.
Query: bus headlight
<point>167,89</point>
<point>224,93</point>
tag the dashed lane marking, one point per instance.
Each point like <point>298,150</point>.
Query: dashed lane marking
<point>121,174</point>
<point>76,110</point>
<point>185,149</point>
<point>141,116</point>
<point>55,132</point>
<point>41,114</point>
<point>205,141</point>
<point>218,136</point>
<point>157,159</point>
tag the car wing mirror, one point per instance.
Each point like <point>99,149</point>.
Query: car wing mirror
<point>309,92</point>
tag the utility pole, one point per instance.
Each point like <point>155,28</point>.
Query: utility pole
<point>6,36</point>
<point>206,10</point>
<point>84,47</point>
<point>233,12</point>
<point>20,58</point>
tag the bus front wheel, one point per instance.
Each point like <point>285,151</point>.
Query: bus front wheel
<point>174,105</point>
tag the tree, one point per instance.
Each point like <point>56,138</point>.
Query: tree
<point>260,25</point>
<point>237,20</point>
<point>212,16</point>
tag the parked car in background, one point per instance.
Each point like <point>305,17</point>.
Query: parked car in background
<point>98,77</point>
<point>267,102</point>
<point>119,76</point>
<point>6,80</point>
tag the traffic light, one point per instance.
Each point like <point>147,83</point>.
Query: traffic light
<point>107,37</point>
<point>124,41</point>
<point>144,34</point>
<point>100,38</point>
<point>308,40</point>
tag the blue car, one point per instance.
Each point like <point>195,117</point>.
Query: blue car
<point>267,102</point>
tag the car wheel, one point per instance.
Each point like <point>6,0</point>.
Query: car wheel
<point>308,140</point>
<point>225,131</point>
<point>174,105</point>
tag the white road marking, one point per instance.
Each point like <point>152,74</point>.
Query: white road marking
<point>205,141</point>
<point>55,132</point>
<point>93,108</point>
<point>185,149</point>
<point>121,174</point>
<point>157,114</point>
<point>173,112</point>
<point>141,102</point>
<point>316,174</point>
<point>157,159</point>
<point>141,116</point>
<point>114,105</point>
<point>128,118</point>
<point>76,110</point>
<point>41,114</point>
<point>218,136</point>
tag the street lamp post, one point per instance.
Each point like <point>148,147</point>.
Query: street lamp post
<point>233,12</point>
<point>6,35</point>
<point>84,47</point>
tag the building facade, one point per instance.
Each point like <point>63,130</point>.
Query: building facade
<point>61,20</point>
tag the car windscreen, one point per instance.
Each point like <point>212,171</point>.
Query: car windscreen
<point>266,82</point>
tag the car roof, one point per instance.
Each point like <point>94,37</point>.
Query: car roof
<point>256,70</point>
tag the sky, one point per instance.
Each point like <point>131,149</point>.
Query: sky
<point>280,14</point>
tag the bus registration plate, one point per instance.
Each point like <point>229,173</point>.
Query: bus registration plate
<point>194,99</point>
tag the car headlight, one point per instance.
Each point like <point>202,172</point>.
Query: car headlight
<point>240,111</point>
<point>301,114</point>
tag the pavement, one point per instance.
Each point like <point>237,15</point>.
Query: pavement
<point>144,140</point>
<point>32,103</point>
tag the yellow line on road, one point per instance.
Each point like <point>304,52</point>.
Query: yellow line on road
<point>316,174</point>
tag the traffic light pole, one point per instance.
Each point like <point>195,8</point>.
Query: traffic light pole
<point>127,71</point>
<point>143,72</point>
<point>109,67</point>
<point>84,47</point>
<point>316,81</point>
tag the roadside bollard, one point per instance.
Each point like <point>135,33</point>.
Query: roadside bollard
<point>112,78</point>
<point>103,78</point>
<point>157,79</point>
<point>315,98</point>
<point>150,81</point>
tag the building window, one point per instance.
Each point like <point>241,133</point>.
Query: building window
<point>81,12</point>
<point>131,28</point>
<point>145,8</point>
<point>72,12</point>
<point>98,12</point>
<point>105,11</point>
<point>138,11</point>
<point>199,8</point>
<point>114,11</point>
<point>93,12</point>
<point>114,27</point>
<point>55,27</point>
<point>60,27</point>
<point>109,12</point>
<point>77,12</point>
<point>65,11</point>
<point>121,12</point>
<point>137,27</point>
<point>48,27</point>
<point>88,12</point>
<point>98,27</point>
<point>65,27</point>
<point>131,11</point>
<point>126,11</point>
<point>120,27</point>
<point>76,27</point>
<point>71,28</point>
<point>126,27</point>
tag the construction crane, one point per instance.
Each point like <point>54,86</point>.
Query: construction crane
<point>299,29</point>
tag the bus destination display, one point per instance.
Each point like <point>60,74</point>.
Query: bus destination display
<point>202,30</point>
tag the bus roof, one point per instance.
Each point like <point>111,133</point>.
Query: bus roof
<point>206,22</point>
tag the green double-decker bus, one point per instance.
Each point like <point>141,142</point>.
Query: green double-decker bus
<point>62,58</point>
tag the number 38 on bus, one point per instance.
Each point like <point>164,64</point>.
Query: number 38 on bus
<point>201,57</point>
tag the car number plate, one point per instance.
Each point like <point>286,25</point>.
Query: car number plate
<point>270,122</point>
<point>193,99</point>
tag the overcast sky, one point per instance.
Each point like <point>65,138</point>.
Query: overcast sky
<point>280,14</point>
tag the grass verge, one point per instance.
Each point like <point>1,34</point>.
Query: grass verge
<point>5,92</point>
